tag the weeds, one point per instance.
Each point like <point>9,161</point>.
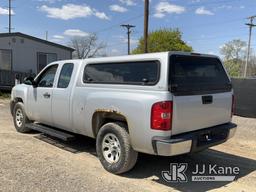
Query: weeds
<point>5,95</point>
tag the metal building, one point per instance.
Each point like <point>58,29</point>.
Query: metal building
<point>24,54</point>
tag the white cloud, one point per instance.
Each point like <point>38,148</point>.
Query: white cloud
<point>117,8</point>
<point>159,15</point>
<point>225,7</point>
<point>100,15</point>
<point>71,11</point>
<point>124,39</point>
<point>164,8</point>
<point>115,51</point>
<point>55,40</point>
<point>132,41</point>
<point>75,33</point>
<point>211,52</point>
<point>68,11</point>
<point>4,11</point>
<point>228,7</point>
<point>195,1</point>
<point>58,37</point>
<point>49,1</point>
<point>203,11</point>
<point>128,2</point>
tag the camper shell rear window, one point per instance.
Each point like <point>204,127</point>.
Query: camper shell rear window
<point>192,75</point>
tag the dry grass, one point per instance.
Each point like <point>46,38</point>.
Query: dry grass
<point>5,95</point>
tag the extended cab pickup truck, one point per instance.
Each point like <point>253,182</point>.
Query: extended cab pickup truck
<point>165,104</point>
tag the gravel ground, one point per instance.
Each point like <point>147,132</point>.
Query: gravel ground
<point>33,162</point>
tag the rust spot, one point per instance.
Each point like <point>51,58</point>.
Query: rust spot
<point>109,111</point>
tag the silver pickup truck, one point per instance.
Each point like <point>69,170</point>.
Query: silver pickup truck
<point>165,104</point>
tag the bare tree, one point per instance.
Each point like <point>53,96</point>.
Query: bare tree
<point>86,47</point>
<point>234,49</point>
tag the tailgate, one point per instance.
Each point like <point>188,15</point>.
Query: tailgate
<point>202,92</point>
<point>192,112</point>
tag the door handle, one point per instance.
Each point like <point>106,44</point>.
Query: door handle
<point>46,95</point>
<point>207,99</point>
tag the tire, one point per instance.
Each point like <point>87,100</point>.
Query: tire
<point>127,157</point>
<point>20,118</point>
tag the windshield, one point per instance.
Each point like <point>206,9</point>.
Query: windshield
<point>197,75</point>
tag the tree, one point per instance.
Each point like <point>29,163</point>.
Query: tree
<point>86,47</point>
<point>233,67</point>
<point>163,40</point>
<point>234,54</point>
<point>234,49</point>
<point>252,64</point>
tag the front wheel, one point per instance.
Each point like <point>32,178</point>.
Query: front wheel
<point>114,148</point>
<point>20,118</point>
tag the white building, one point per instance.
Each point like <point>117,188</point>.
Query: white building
<point>21,53</point>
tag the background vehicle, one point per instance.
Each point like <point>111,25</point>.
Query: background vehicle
<point>166,104</point>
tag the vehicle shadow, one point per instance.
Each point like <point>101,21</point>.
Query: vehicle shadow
<point>150,166</point>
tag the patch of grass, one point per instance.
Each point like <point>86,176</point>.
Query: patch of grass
<point>5,95</point>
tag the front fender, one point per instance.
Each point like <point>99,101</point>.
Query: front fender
<point>19,93</point>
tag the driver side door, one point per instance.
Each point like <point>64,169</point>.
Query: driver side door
<point>41,95</point>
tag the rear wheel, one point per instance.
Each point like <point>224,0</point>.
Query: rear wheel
<point>20,118</point>
<point>114,148</point>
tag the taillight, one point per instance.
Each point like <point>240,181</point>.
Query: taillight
<point>233,106</point>
<point>161,116</point>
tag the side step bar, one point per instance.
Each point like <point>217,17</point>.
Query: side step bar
<point>51,131</point>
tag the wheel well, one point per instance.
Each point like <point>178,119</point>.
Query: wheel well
<point>100,118</point>
<point>16,100</point>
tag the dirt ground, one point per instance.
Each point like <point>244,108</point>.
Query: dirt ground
<point>33,162</point>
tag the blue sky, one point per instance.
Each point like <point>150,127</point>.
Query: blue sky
<point>206,24</point>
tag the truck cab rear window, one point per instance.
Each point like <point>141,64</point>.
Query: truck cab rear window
<point>197,75</point>
<point>134,73</point>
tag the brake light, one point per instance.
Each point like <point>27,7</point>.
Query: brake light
<point>161,115</point>
<point>233,106</point>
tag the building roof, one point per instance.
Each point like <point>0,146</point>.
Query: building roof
<point>35,39</point>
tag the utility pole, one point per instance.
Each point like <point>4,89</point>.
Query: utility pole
<point>46,35</point>
<point>10,16</point>
<point>128,27</point>
<point>146,13</point>
<point>251,25</point>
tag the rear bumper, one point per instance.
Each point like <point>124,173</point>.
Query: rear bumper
<point>193,141</point>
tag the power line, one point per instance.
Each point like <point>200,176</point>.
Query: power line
<point>118,24</point>
<point>115,44</point>
<point>211,3</point>
<point>212,24</point>
<point>215,37</point>
<point>200,39</point>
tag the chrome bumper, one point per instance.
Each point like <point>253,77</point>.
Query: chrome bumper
<point>193,141</point>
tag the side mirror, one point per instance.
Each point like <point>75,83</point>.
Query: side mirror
<point>29,81</point>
